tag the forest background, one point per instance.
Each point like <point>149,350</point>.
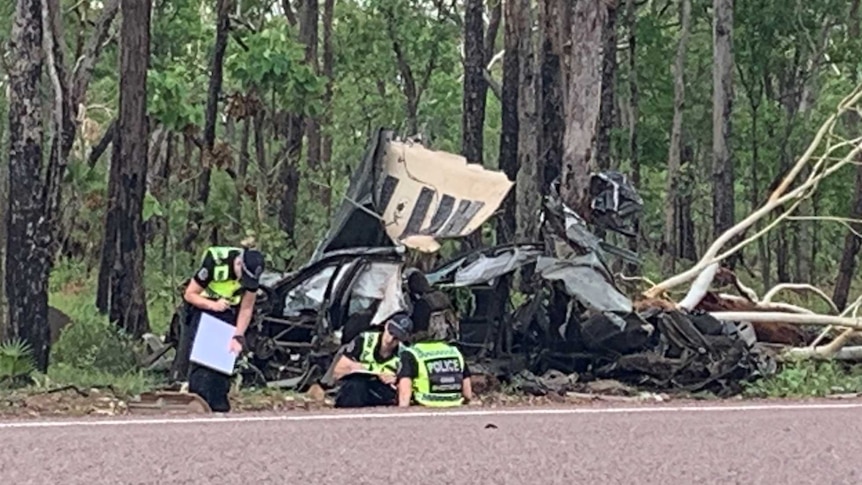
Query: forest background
<point>135,133</point>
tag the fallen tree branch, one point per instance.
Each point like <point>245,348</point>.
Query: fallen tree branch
<point>777,199</point>
<point>784,317</point>
<point>844,221</point>
<point>772,306</point>
<point>799,287</point>
<point>699,288</point>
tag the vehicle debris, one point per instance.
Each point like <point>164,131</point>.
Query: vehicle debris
<point>573,326</point>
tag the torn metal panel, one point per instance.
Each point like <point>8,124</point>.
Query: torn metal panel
<point>405,194</point>
<point>567,231</point>
<point>356,223</point>
<point>586,279</point>
<point>428,195</point>
<point>483,266</point>
<point>615,202</point>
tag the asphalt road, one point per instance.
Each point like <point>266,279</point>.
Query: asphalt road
<point>790,444</point>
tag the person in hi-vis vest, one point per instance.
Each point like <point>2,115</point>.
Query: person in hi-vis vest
<point>366,369</point>
<point>225,286</point>
<point>432,371</point>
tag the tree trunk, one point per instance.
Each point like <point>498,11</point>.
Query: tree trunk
<point>28,260</point>
<point>216,67</point>
<point>722,104</point>
<point>847,268</point>
<point>328,63</point>
<point>4,213</point>
<point>108,255</point>
<point>685,222</point>
<point>553,124</point>
<point>312,125</point>
<point>288,176</point>
<point>609,67</point>
<point>528,183</point>
<point>128,304</point>
<point>509,125</point>
<point>583,103</point>
<point>672,199</point>
<point>473,103</point>
<point>634,108</point>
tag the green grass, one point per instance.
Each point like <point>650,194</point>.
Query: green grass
<point>808,379</point>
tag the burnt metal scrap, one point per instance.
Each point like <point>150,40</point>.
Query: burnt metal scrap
<point>570,326</point>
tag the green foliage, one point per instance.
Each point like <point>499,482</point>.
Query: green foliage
<point>275,63</point>
<point>808,379</point>
<point>16,360</point>
<point>92,342</point>
<point>173,99</point>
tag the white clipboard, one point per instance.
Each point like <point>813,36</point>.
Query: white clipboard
<point>210,347</point>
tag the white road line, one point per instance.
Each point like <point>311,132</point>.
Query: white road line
<point>426,414</point>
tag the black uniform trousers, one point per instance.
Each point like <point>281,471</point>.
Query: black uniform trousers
<point>363,390</point>
<point>212,386</point>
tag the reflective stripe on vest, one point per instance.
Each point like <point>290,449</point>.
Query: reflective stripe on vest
<point>224,283</point>
<point>440,374</point>
<point>370,340</point>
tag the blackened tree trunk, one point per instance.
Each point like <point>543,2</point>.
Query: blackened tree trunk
<point>529,181</point>
<point>473,97</point>
<point>609,67</point>
<point>847,268</point>
<point>552,119</point>
<point>215,82</point>
<point>509,125</point>
<point>672,237</point>
<point>473,103</point>
<point>722,104</point>
<point>128,304</point>
<point>28,257</point>
<point>582,103</point>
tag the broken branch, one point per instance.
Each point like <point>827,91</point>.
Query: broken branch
<point>799,287</point>
<point>777,199</point>
<point>794,318</point>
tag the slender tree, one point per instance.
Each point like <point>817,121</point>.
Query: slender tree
<point>28,258</point>
<point>672,199</point>
<point>722,106</point>
<point>128,304</point>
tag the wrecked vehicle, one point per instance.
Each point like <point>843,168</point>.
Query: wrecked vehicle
<point>569,318</point>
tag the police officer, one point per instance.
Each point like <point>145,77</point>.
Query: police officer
<point>432,372</point>
<point>366,369</point>
<point>225,286</point>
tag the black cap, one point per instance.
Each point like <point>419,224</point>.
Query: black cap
<point>400,325</point>
<point>252,267</point>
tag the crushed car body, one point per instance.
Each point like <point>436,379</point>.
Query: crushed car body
<point>568,317</point>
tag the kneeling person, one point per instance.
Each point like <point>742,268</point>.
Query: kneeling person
<point>366,369</point>
<point>433,373</point>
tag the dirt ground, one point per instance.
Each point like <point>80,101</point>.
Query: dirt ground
<point>72,402</point>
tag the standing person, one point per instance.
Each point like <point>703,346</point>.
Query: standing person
<point>432,372</point>
<point>366,369</point>
<point>224,286</point>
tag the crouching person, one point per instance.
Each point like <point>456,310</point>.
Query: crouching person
<point>367,368</point>
<point>433,372</point>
